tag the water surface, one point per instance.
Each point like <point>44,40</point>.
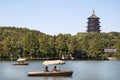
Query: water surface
<point>82,70</point>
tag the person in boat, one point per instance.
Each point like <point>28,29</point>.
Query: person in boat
<point>54,69</point>
<point>20,62</point>
<point>46,69</point>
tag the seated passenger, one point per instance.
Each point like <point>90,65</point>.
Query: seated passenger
<point>54,69</point>
<point>46,69</point>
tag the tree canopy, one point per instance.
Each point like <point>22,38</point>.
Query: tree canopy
<point>32,44</point>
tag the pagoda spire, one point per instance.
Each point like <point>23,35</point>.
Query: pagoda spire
<point>93,12</point>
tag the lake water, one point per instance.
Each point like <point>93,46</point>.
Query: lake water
<point>82,70</point>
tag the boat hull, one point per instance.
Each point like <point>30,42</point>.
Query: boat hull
<point>21,64</point>
<point>58,73</point>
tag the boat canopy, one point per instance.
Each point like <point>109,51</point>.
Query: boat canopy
<point>21,59</point>
<point>53,62</point>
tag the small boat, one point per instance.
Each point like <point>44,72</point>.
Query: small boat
<point>21,61</point>
<point>57,73</point>
<point>51,73</point>
<point>21,64</point>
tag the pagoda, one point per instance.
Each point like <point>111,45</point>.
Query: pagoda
<point>93,23</point>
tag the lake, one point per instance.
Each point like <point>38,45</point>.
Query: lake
<point>82,70</point>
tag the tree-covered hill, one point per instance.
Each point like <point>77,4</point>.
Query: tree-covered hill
<point>22,42</point>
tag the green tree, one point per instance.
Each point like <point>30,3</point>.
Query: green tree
<point>96,47</point>
<point>30,45</point>
<point>61,45</point>
<point>117,54</point>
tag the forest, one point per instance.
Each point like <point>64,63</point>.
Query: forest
<point>32,44</point>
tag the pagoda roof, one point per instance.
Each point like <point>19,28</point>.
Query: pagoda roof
<point>93,15</point>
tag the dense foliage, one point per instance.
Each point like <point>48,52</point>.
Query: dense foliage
<point>32,44</point>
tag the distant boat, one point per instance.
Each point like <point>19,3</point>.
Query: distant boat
<point>111,58</point>
<point>21,61</point>
<point>50,73</point>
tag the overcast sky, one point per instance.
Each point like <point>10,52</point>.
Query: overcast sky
<point>59,16</point>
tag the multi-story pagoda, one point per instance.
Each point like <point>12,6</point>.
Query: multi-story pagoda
<point>93,23</point>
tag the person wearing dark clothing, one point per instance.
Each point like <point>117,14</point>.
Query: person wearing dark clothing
<point>46,69</point>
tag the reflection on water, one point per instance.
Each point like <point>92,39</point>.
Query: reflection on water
<point>82,70</point>
<point>56,78</point>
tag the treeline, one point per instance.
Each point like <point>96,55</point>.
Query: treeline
<point>32,44</point>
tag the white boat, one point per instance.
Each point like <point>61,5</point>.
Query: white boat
<point>50,73</point>
<point>21,61</point>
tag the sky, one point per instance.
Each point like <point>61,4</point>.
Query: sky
<point>59,16</point>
